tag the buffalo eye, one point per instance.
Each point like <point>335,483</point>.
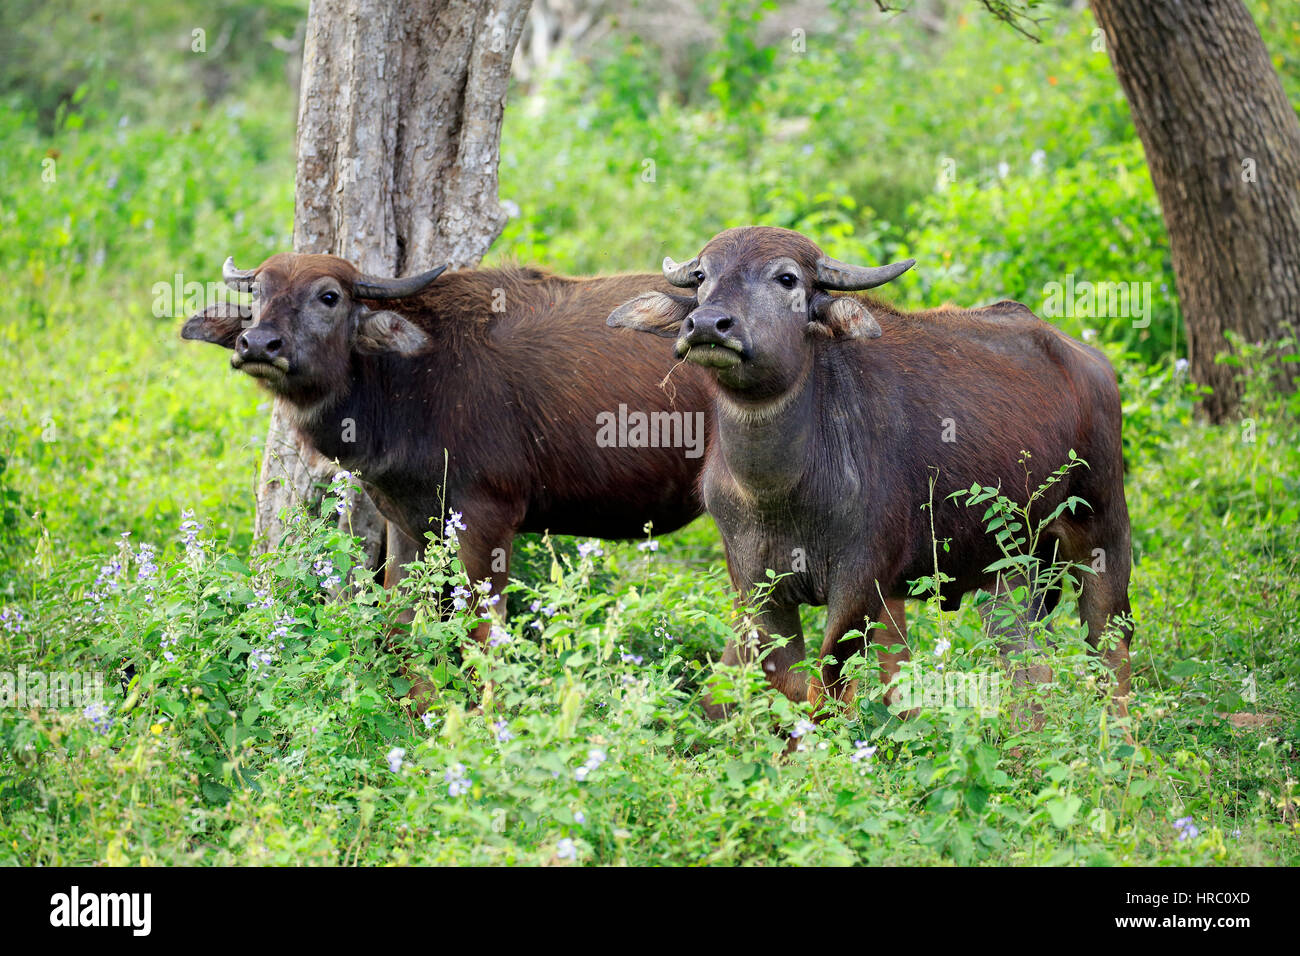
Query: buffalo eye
<point>330,298</point>
<point>788,279</point>
<point>697,275</point>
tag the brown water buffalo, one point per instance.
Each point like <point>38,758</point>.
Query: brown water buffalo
<point>834,413</point>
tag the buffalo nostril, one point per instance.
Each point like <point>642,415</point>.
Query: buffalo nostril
<point>724,324</point>
<point>273,346</point>
<point>690,324</point>
<point>241,344</point>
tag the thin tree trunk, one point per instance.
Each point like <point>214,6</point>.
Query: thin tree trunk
<point>399,128</point>
<point>1223,146</point>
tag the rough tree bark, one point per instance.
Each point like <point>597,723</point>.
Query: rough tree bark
<point>1223,146</point>
<point>399,127</point>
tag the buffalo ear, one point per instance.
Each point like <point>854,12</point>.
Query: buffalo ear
<point>389,332</point>
<point>655,312</point>
<point>220,324</point>
<point>846,317</point>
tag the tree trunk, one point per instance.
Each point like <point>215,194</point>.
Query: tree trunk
<point>399,127</point>
<point>1223,146</point>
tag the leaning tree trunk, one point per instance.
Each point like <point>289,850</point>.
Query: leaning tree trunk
<point>1223,146</point>
<point>399,125</point>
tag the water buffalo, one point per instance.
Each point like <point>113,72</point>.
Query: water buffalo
<point>833,414</point>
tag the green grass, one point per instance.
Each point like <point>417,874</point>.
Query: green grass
<point>109,424</point>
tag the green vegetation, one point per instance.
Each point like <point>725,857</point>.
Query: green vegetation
<point>263,721</point>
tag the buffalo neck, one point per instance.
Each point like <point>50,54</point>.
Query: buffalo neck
<point>766,447</point>
<point>378,420</point>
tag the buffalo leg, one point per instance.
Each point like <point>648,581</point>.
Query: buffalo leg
<point>893,615</point>
<point>1013,628</point>
<point>840,619</point>
<point>894,636</point>
<point>1104,607</point>
<point>402,550</point>
<point>486,557</point>
<point>780,620</point>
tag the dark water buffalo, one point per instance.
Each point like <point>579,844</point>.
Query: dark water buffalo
<point>506,372</point>
<point>828,434</point>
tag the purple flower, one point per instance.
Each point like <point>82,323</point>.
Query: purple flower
<point>460,598</point>
<point>1187,829</point>
<point>457,780</point>
<point>394,759</point>
<point>565,850</point>
<point>281,629</point>
<point>97,713</point>
<point>108,581</point>
<point>340,488</point>
<point>863,752</point>
<point>453,524</point>
<point>484,588</point>
<point>145,559</point>
<point>595,757</point>
<point>329,577</point>
<point>259,660</point>
<point>11,619</point>
<point>190,529</point>
<point>590,549</point>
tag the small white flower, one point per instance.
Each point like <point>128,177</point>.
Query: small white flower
<point>863,751</point>
<point>451,526</point>
<point>394,759</point>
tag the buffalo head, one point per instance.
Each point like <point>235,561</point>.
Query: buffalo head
<point>760,293</point>
<point>308,316</point>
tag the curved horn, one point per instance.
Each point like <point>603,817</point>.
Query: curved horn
<point>368,287</point>
<point>842,277</point>
<point>241,280</point>
<point>680,275</point>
